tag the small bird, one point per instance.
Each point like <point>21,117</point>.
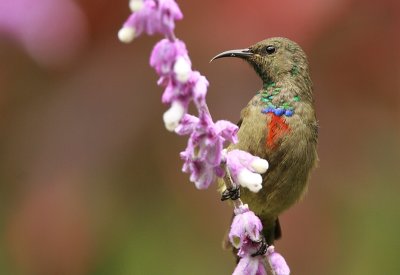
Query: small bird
<point>278,124</point>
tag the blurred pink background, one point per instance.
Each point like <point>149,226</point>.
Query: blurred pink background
<point>90,180</point>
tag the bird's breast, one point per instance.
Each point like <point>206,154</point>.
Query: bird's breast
<point>267,127</point>
<point>277,128</point>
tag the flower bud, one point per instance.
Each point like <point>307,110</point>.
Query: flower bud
<point>126,34</point>
<point>250,180</point>
<point>182,69</point>
<point>173,115</point>
<point>277,262</point>
<point>260,165</point>
<point>136,5</point>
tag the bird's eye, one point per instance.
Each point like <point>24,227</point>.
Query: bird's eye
<point>270,49</point>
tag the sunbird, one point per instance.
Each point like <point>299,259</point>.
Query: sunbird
<point>279,124</point>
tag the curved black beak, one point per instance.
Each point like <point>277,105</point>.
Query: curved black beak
<point>241,53</point>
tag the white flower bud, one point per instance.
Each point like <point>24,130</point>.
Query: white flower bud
<point>250,180</point>
<point>173,115</point>
<point>126,34</point>
<point>260,165</point>
<point>182,69</point>
<point>136,5</point>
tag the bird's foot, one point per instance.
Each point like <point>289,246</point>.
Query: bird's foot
<point>233,194</point>
<point>263,247</point>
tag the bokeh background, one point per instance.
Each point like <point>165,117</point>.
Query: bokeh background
<point>90,180</point>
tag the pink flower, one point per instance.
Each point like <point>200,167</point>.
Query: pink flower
<point>169,12</point>
<point>245,169</point>
<point>250,266</point>
<point>203,154</point>
<point>150,16</point>
<point>277,262</point>
<point>187,125</point>
<point>179,95</point>
<point>245,225</point>
<point>164,55</point>
<point>171,61</point>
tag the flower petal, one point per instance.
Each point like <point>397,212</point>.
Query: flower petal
<point>187,125</point>
<point>277,262</point>
<point>249,266</point>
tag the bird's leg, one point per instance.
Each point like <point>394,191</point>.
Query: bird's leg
<point>263,247</point>
<point>231,193</point>
<point>232,190</point>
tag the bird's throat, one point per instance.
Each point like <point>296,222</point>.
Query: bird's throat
<point>279,103</point>
<point>277,100</point>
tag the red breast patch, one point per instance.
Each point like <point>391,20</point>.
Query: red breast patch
<point>276,129</point>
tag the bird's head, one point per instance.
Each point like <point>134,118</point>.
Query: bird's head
<point>273,59</point>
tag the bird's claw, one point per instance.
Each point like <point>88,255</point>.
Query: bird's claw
<point>233,194</point>
<point>262,249</point>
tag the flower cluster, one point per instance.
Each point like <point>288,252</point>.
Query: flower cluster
<point>245,236</point>
<point>205,158</point>
<point>182,85</point>
<point>150,16</point>
<point>203,155</point>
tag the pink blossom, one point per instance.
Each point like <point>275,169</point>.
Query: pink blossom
<point>151,16</point>
<point>203,154</point>
<point>187,125</point>
<point>164,55</point>
<point>277,262</point>
<point>245,225</point>
<point>250,266</point>
<point>179,95</point>
<point>245,169</point>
